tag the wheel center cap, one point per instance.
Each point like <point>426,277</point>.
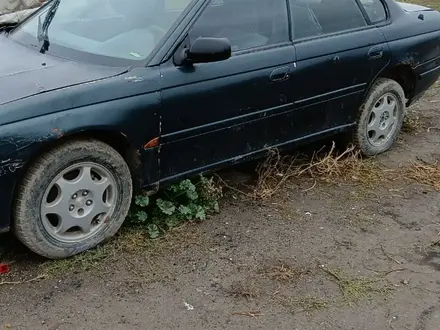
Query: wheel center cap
<point>79,202</point>
<point>384,118</point>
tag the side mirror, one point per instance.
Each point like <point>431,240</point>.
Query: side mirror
<point>205,50</point>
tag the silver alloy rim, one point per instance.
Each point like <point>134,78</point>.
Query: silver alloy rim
<point>78,202</point>
<point>382,120</point>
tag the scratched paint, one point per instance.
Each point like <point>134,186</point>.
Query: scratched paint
<point>17,143</point>
<point>11,147</point>
<point>410,59</point>
<point>10,166</point>
<point>134,79</point>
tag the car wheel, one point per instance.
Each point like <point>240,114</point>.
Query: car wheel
<point>380,117</point>
<point>72,198</point>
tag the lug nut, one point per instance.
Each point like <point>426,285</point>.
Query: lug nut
<point>74,196</point>
<point>89,202</point>
<point>71,207</point>
<point>85,193</point>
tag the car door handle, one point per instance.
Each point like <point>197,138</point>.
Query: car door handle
<point>280,74</point>
<point>375,52</point>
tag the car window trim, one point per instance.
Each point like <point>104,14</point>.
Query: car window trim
<point>181,32</point>
<point>263,48</point>
<point>367,26</point>
<point>289,20</point>
<point>334,34</point>
<point>388,13</point>
<point>173,42</point>
<point>184,14</point>
<point>364,12</point>
<point>185,32</point>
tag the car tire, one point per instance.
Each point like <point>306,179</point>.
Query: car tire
<point>63,190</point>
<point>380,117</point>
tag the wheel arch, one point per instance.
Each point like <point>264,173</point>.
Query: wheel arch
<point>30,226</point>
<point>404,75</point>
<point>117,140</point>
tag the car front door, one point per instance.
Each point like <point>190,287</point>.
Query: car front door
<point>339,52</point>
<point>217,113</point>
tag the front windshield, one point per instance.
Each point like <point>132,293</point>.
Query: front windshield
<point>121,29</point>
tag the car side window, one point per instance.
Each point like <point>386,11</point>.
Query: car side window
<point>319,17</point>
<point>246,24</point>
<point>375,10</point>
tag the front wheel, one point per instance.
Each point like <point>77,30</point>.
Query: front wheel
<point>380,117</point>
<point>73,198</point>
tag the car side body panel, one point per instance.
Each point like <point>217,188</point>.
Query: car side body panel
<point>219,111</point>
<point>127,105</point>
<point>135,102</point>
<point>336,72</point>
<point>414,41</point>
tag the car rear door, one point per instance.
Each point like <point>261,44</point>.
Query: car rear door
<point>215,113</point>
<point>339,53</point>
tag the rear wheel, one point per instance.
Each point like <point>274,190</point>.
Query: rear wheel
<point>73,198</point>
<point>380,117</point>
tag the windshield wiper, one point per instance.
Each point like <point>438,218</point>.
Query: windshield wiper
<point>43,27</point>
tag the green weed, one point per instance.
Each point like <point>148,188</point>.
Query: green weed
<point>150,218</point>
<point>307,304</point>
<point>183,201</point>
<point>355,289</point>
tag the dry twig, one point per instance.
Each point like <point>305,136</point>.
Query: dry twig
<point>248,314</point>
<point>388,256</point>
<point>39,277</point>
<point>329,167</point>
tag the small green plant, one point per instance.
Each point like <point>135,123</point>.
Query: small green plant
<point>180,202</point>
<point>142,202</point>
<point>185,201</point>
<point>354,289</point>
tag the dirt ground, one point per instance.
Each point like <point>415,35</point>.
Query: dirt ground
<point>320,254</point>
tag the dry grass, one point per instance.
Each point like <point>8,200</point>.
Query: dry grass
<point>425,173</point>
<point>131,242</point>
<point>80,263</point>
<point>283,273</point>
<point>248,314</point>
<point>244,289</point>
<point>34,279</point>
<point>412,123</point>
<point>307,304</point>
<point>328,167</point>
<point>355,289</point>
<point>429,3</point>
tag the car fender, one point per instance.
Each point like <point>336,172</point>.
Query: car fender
<point>136,117</point>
